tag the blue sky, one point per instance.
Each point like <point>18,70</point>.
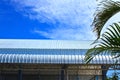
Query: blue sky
<point>47,19</point>
<point>15,25</point>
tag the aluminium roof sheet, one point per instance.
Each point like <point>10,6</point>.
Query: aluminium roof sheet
<point>51,56</point>
<point>44,44</point>
<point>48,51</point>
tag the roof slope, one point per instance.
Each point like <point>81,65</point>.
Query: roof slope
<point>44,44</point>
<point>48,52</point>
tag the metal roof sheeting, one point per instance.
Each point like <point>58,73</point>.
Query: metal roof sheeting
<point>48,51</point>
<point>54,59</point>
<point>53,56</point>
<point>44,44</point>
<point>43,51</point>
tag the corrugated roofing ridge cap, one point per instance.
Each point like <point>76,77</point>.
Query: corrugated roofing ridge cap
<point>44,44</point>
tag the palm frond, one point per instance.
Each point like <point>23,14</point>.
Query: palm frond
<point>104,12</point>
<point>109,43</point>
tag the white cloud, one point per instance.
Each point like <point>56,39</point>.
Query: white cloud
<point>71,18</point>
<point>66,33</point>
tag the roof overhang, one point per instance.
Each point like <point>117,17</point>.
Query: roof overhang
<point>49,52</point>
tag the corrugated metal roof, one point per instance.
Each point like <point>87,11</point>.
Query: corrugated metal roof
<point>43,51</point>
<point>44,44</point>
<point>54,59</point>
<point>51,56</point>
<point>48,51</point>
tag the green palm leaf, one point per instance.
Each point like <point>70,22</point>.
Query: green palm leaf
<point>109,43</point>
<point>104,12</point>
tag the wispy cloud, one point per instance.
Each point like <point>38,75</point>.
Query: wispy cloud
<point>71,18</point>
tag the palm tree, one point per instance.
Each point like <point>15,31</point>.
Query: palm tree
<point>106,9</point>
<point>109,43</point>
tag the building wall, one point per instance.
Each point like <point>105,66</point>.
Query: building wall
<point>47,77</point>
<point>49,72</point>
